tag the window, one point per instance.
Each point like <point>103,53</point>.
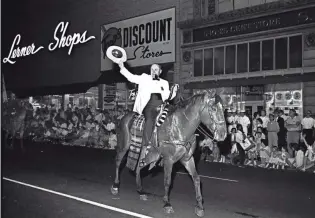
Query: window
<point>229,5</point>
<point>267,55</point>
<point>198,63</point>
<point>219,60</point>
<point>208,62</point>
<point>281,53</point>
<point>242,58</point>
<point>204,8</point>
<point>295,51</point>
<point>230,59</point>
<point>225,5</point>
<point>254,56</point>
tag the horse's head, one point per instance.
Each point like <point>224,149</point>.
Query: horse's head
<point>212,114</point>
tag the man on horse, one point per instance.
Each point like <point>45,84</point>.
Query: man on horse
<point>152,93</point>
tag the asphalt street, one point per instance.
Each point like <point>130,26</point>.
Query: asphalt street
<point>58,181</point>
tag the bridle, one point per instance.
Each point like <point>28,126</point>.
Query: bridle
<point>217,122</point>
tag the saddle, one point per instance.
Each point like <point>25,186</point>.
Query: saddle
<point>138,152</point>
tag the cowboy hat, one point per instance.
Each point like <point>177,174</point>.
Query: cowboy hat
<point>116,54</point>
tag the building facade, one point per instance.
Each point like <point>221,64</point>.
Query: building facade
<point>258,53</point>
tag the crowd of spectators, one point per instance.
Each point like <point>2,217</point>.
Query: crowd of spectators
<point>79,126</point>
<point>276,141</point>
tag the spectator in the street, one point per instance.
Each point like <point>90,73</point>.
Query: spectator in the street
<point>273,129</point>
<point>282,130</point>
<point>265,121</point>
<point>273,159</point>
<point>244,121</point>
<point>293,126</point>
<point>308,124</point>
<point>230,121</point>
<point>252,151</point>
<point>309,160</point>
<point>285,117</point>
<point>255,123</point>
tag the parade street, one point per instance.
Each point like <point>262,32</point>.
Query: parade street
<point>54,181</point>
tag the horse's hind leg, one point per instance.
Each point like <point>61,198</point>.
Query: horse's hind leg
<point>191,168</point>
<point>168,167</point>
<point>121,152</point>
<point>140,190</point>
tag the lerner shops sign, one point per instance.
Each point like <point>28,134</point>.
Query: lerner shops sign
<point>147,39</point>
<point>61,40</point>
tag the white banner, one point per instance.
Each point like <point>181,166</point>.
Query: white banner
<point>147,39</point>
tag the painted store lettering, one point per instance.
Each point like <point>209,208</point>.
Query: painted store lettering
<point>156,31</point>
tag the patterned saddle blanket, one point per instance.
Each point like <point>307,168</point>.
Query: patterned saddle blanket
<point>137,152</point>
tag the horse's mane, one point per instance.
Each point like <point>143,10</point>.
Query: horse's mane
<point>198,98</point>
<point>183,104</point>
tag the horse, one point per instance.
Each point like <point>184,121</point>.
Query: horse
<point>173,139</point>
<point>15,121</point>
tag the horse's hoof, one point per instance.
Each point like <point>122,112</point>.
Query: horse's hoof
<point>114,191</point>
<point>143,197</point>
<point>199,212</point>
<point>168,209</point>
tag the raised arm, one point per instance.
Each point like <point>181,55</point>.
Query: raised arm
<point>129,76</point>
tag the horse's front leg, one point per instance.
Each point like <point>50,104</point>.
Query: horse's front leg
<point>168,167</point>
<point>143,195</point>
<point>191,168</point>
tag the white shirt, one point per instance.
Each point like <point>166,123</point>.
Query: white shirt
<point>244,121</point>
<point>265,121</point>
<point>147,86</point>
<point>308,123</point>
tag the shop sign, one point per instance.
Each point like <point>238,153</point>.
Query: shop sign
<point>147,39</point>
<point>270,22</point>
<point>61,40</point>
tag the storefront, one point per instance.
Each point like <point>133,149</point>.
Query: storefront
<point>262,62</point>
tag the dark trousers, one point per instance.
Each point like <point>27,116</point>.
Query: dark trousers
<point>282,140</point>
<point>150,113</point>
<point>309,136</point>
<point>240,158</point>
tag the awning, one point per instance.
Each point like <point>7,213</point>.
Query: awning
<point>53,90</point>
<point>251,81</point>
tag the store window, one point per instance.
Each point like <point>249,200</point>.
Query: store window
<point>295,51</point>
<point>281,53</point>
<point>208,66</point>
<point>230,59</point>
<point>267,55</point>
<point>198,58</point>
<point>219,60</point>
<point>229,5</point>
<point>254,56</point>
<point>242,58</point>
